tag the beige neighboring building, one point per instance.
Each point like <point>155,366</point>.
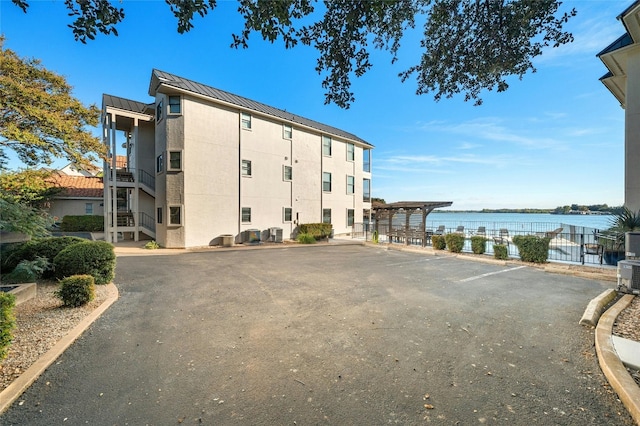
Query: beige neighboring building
<point>203,163</point>
<point>622,58</point>
<point>79,195</point>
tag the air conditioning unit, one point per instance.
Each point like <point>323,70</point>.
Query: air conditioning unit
<point>629,276</point>
<point>632,244</point>
<point>251,236</point>
<point>275,234</point>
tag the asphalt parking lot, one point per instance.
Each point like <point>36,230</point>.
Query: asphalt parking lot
<point>345,335</point>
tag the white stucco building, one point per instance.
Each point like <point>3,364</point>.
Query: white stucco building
<point>622,58</point>
<point>202,163</point>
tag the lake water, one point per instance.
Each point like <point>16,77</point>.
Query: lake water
<point>514,222</point>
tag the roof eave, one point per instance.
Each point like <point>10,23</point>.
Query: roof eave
<point>157,84</point>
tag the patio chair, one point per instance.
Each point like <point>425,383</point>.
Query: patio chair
<point>482,231</point>
<point>554,233</point>
<point>502,237</point>
<point>460,230</point>
<point>440,230</point>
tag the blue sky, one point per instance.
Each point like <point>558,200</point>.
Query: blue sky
<point>554,138</point>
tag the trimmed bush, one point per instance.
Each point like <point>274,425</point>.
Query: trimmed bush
<point>438,242</point>
<point>305,238</point>
<point>532,248</point>
<point>47,247</point>
<point>319,231</point>
<point>84,223</point>
<point>478,244</point>
<point>95,258</point>
<point>28,271</point>
<point>7,322</point>
<point>455,242</point>
<point>500,251</point>
<point>76,290</point>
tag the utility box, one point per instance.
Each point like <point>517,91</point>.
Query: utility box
<point>227,240</point>
<point>252,236</point>
<point>632,244</point>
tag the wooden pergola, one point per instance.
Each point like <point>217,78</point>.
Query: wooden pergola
<point>409,208</point>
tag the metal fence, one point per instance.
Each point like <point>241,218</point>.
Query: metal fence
<point>570,244</point>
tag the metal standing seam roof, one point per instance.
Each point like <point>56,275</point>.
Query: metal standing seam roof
<point>127,104</point>
<point>181,83</point>
<point>622,41</point>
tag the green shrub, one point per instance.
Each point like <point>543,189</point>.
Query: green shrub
<point>478,244</point>
<point>152,245</point>
<point>438,242</point>
<point>319,231</point>
<point>500,251</point>
<point>375,238</point>
<point>7,322</point>
<point>455,242</point>
<point>84,223</point>
<point>532,248</point>
<point>305,238</point>
<point>10,256</point>
<point>28,271</point>
<point>76,290</point>
<point>95,258</point>
<point>47,247</point>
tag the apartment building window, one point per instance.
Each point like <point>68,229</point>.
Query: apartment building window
<point>326,182</point>
<point>175,161</point>
<point>287,214</point>
<point>160,163</point>
<point>326,146</point>
<point>246,214</point>
<point>351,152</point>
<point>159,215</point>
<point>287,173</point>
<point>175,215</point>
<point>350,217</point>
<point>245,120</point>
<point>351,184</point>
<point>287,131</point>
<point>366,190</point>
<point>88,208</point>
<point>246,168</point>
<point>159,111</point>
<point>326,215</point>
<point>366,160</point>
<point>174,105</point>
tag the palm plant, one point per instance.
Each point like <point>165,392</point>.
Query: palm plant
<point>612,240</point>
<point>626,221</point>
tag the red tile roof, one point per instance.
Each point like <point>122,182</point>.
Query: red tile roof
<point>78,186</point>
<point>121,161</point>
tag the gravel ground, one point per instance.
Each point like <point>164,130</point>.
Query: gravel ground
<point>41,323</point>
<point>627,325</point>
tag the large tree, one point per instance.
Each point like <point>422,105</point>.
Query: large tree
<point>40,120</point>
<point>468,45</point>
<point>24,196</point>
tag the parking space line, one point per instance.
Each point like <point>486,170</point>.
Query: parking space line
<point>409,262</point>
<point>491,273</point>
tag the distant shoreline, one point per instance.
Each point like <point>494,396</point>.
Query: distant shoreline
<point>526,211</point>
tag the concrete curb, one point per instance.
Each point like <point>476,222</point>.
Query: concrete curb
<point>140,251</point>
<point>616,373</point>
<point>18,386</point>
<point>595,308</point>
